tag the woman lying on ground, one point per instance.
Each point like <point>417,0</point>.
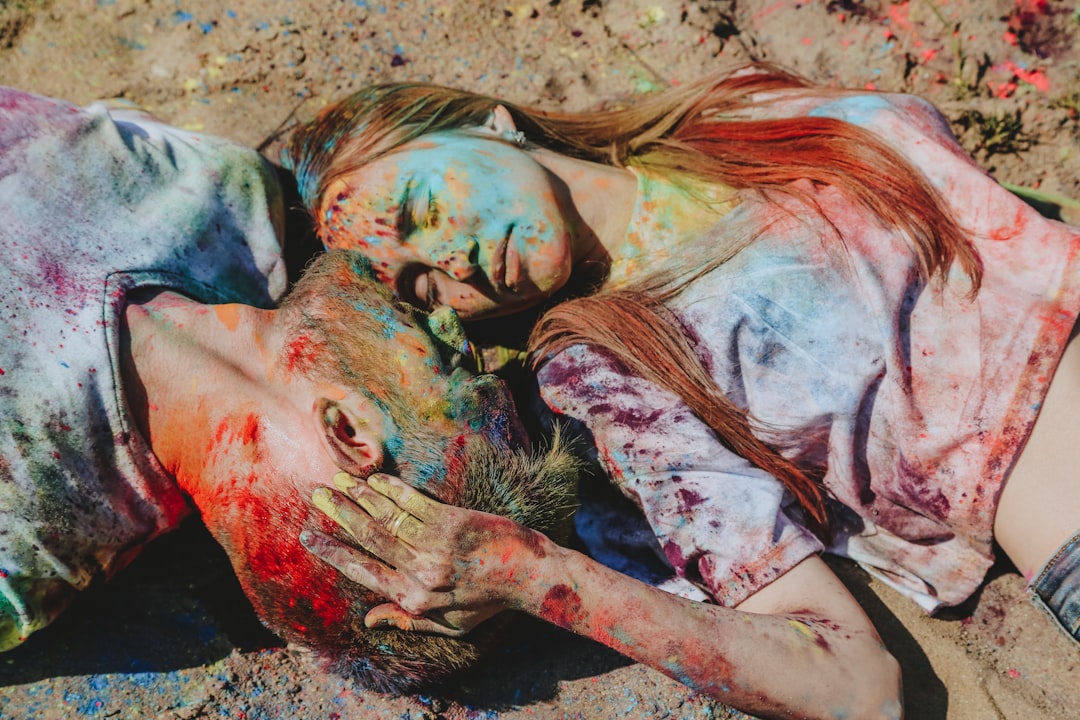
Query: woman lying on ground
<point>792,319</point>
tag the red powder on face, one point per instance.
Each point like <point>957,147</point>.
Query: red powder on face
<point>216,440</point>
<point>250,431</point>
<point>228,431</point>
<point>262,529</point>
<point>222,428</point>
<point>450,487</point>
<point>300,353</point>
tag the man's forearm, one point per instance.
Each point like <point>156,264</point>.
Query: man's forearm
<point>792,665</point>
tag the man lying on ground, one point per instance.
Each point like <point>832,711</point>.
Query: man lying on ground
<point>146,370</point>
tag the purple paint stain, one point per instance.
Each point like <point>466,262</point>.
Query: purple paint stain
<point>599,409</point>
<point>565,371</point>
<point>688,500</point>
<point>633,418</point>
<point>675,556</point>
<point>939,505</point>
<point>930,499</point>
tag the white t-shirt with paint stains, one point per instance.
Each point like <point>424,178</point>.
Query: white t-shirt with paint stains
<point>93,206</point>
<point>916,397</point>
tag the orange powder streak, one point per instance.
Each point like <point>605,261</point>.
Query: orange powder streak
<point>228,315</point>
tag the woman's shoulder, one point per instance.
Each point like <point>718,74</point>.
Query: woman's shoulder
<point>893,116</point>
<point>867,107</point>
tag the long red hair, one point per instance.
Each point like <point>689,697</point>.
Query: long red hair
<point>719,130</point>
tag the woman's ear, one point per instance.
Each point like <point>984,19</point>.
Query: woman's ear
<point>333,192</point>
<point>499,121</point>
<point>348,437</point>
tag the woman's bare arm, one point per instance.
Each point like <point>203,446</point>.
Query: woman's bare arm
<point>801,647</point>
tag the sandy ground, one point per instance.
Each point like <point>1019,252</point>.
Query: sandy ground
<point>173,637</point>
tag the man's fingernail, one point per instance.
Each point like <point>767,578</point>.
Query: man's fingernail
<point>323,500</point>
<point>344,481</point>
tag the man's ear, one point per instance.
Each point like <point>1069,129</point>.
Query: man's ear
<point>499,121</point>
<point>348,437</point>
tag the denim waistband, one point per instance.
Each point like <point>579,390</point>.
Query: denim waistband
<point>1057,588</point>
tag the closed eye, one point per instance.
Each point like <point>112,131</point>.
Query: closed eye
<point>417,208</point>
<point>406,219</point>
<point>426,290</point>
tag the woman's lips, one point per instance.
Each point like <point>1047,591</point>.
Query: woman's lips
<point>511,264</point>
<point>498,263</point>
<point>506,264</point>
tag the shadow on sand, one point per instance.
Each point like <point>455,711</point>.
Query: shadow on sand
<point>925,696</point>
<point>177,606</point>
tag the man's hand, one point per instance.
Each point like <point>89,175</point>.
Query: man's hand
<point>446,569</point>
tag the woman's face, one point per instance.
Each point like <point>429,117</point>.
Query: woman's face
<point>456,218</point>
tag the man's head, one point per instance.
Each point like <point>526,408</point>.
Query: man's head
<point>385,396</point>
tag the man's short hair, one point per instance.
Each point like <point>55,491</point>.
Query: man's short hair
<point>307,602</point>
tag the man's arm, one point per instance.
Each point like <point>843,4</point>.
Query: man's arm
<point>801,647</point>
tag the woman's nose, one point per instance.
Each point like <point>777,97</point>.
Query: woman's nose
<point>460,262</point>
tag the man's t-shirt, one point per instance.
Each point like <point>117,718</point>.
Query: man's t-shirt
<point>92,207</point>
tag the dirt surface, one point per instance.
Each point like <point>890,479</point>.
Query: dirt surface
<point>173,637</point>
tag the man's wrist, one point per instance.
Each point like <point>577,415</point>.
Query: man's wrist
<point>549,566</point>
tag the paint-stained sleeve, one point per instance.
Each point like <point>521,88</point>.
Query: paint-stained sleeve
<point>721,523</point>
<point>93,207</point>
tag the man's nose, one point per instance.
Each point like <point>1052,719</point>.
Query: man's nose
<point>484,402</point>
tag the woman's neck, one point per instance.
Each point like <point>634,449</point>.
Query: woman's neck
<point>666,216</point>
<point>631,222</point>
<point>598,203</point>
